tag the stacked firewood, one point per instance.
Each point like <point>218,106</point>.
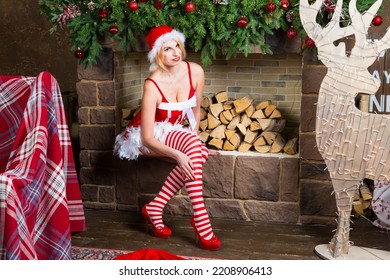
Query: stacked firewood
<point>243,125</point>
<point>363,199</point>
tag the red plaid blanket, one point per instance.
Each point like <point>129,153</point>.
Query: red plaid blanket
<point>40,200</point>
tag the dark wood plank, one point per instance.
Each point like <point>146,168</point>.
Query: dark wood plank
<point>243,240</point>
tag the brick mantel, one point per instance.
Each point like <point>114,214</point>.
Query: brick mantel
<point>249,186</point>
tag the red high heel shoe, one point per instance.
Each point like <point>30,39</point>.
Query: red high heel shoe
<point>160,232</point>
<point>212,244</point>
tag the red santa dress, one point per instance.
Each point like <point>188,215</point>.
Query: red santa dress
<point>169,116</point>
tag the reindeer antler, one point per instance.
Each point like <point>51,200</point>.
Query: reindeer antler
<point>315,31</point>
<point>383,43</point>
<point>324,37</point>
<point>308,14</point>
<point>362,22</point>
<point>333,29</point>
<point>358,21</point>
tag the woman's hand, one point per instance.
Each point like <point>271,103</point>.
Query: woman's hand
<point>185,165</point>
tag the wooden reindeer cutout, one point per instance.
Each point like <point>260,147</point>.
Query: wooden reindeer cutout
<point>355,145</point>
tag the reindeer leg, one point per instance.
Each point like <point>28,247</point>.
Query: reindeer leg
<point>344,193</point>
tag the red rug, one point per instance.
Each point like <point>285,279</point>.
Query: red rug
<point>84,253</point>
<point>149,254</point>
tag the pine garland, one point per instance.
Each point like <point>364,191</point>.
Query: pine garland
<point>212,28</point>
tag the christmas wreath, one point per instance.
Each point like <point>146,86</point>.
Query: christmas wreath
<point>212,27</point>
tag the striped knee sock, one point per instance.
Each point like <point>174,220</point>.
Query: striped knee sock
<point>191,145</point>
<point>172,185</point>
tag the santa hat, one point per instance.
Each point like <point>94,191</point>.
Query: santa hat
<point>160,35</point>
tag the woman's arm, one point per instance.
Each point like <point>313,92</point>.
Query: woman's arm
<point>148,111</point>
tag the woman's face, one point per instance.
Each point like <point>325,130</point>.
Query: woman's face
<point>171,53</point>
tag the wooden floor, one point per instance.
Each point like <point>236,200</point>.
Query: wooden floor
<point>241,240</point>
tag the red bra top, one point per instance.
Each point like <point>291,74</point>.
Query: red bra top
<point>173,112</point>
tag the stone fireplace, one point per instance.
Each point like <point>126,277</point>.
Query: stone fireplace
<point>249,186</point>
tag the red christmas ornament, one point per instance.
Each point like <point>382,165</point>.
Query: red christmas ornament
<point>103,13</point>
<point>79,53</point>
<point>133,6</point>
<point>113,29</point>
<point>377,20</point>
<point>189,7</point>
<point>284,4</point>
<point>158,4</point>
<point>242,21</point>
<point>291,33</point>
<point>270,6</point>
<point>309,43</point>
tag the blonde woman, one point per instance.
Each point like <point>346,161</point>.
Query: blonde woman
<point>172,93</point>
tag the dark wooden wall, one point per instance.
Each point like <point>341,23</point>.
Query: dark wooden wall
<point>28,48</point>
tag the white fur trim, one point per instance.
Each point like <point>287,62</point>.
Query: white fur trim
<point>174,34</point>
<point>129,148</point>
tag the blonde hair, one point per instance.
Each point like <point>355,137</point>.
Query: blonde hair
<point>160,54</point>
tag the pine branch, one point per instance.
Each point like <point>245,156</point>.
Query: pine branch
<point>211,29</point>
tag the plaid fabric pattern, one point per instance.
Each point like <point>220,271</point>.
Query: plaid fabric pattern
<point>40,199</point>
